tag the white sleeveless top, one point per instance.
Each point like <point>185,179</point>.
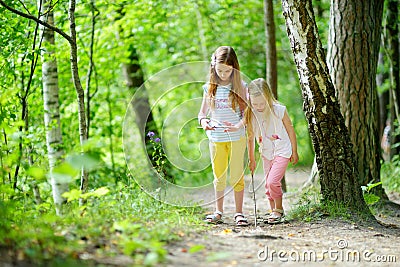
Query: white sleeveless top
<point>266,129</point>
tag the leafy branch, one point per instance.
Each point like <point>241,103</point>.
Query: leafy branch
<point>41,22</point>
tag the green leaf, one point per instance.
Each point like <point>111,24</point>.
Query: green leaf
<point>126,226</point>
<point>74,194</point>
<point>371,199</point>
<point>37,173</point>
<point>64,173</point>
<point>100,192</point>
<point>196,248</point>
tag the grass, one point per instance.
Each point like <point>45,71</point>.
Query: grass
<point>310,207</point>
<point>125,221</point>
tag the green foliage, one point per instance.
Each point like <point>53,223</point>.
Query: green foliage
<point>118,220</point>
<point>310,207</point>
<point>369,197</point>
<point>158,155</point>
<point>390,173</point>
<point>117,216</point>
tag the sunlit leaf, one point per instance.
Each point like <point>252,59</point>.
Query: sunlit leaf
<point>196,248</point>
<point>37,173</point>
<point>74,194</point>
<point>100,192</point>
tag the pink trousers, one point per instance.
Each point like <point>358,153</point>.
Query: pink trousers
<point>274,171</point>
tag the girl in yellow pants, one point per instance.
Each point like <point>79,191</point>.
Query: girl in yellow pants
<point>221,115</point>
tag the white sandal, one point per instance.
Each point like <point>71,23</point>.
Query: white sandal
<point>275,219</point>
<point>240,219</point>
<point>213,218</point>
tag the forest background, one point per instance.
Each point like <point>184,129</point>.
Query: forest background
<point>121,46</point>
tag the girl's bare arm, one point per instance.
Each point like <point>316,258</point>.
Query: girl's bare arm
<point>202,116</point>
<point>292,136</point>
<point>251,151</point>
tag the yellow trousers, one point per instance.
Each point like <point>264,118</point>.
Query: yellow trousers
<point>224,155</point>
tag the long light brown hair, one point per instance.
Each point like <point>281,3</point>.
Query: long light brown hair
<point>258,87</point>
<point>226,55</point>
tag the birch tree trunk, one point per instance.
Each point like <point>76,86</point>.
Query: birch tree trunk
<point>79,89</point>
<point>54,141</point>
<point>353,51</point>
<point>330,137</point>
<point>45,26</point>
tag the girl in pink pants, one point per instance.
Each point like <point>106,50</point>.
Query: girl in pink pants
<point>269,124</point>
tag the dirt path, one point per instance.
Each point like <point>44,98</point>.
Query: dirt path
<point>322,243</point>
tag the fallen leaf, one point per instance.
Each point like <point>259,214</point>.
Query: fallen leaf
<point>227,231</point>
<point>181,234</point>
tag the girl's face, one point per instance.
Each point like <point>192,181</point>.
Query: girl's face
<point>258,103</point>
<point>223,71</point>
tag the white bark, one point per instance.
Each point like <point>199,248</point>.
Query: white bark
<point>51,105</point>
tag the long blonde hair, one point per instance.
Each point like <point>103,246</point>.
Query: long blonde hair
<point>258,87</point>
<point>226,55</point>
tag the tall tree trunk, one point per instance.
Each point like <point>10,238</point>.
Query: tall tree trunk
<point>394,55</point>
<point>111,133</point>
<point>271,61</point>
<point>91,67</point>
<point>74,66</point>
<point>202,36</point>
<point>134,79</point>
<point>141,106</point>
<point>353,50</point>
<point>384,96</point>
<point>330,137</point>
<point>79,90</point>
<point>51,105</point>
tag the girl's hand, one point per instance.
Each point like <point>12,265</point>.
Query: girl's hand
<point>294,158</point>
<point>205,123</point>
<point>231,127</point>
<point>252,165</point>
<point>274,137</point>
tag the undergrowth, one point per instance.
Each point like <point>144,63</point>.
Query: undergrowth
<point>390,173</point>
<point>117,221</point>
<point>310,207</point>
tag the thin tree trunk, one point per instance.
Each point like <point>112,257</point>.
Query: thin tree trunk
<point>383,97</point>
<point>74,68</point>
<point>271,65</point>
<point>7,155</point>
<point>394,55</point>
<point>332,145</point>
<point>51,105</point>
<point>111,133</point>
<point>34,60</point>
<point>271,60</point>
<point>94,14</point>
<point>141,106</point>
<point>202,36</point>
<point>354,40</point>
<point>79,90</point>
